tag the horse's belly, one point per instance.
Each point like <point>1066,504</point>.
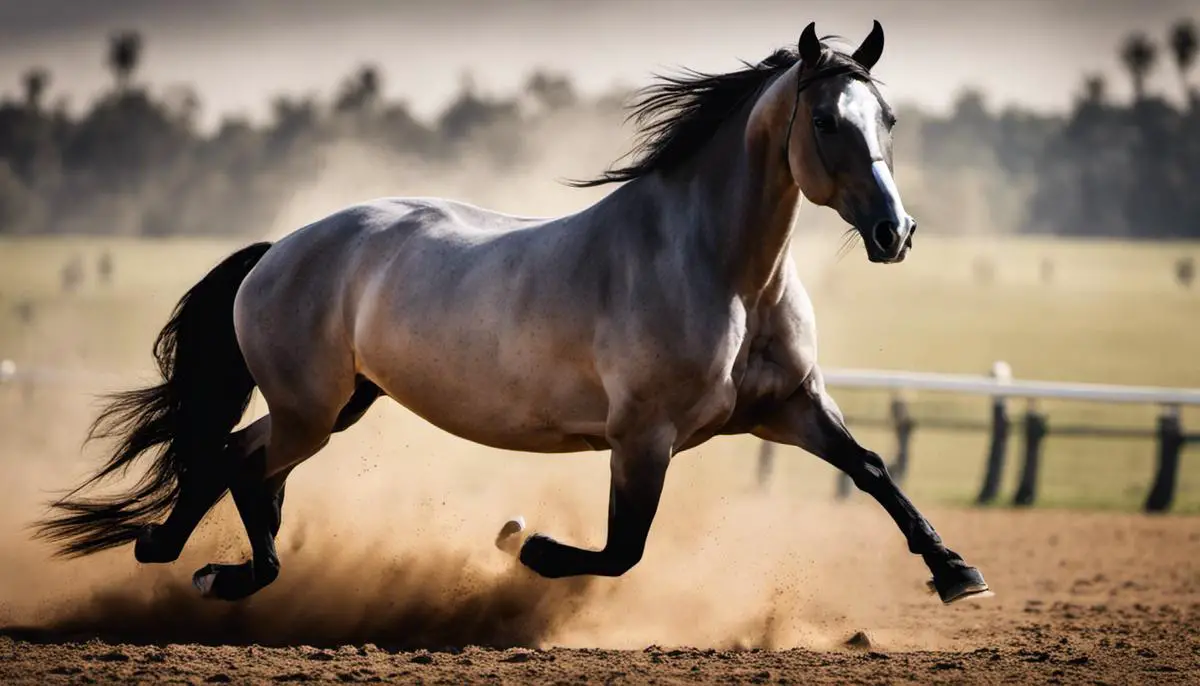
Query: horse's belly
<point>540,408</point>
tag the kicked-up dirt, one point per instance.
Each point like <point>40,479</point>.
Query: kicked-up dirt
<point>1080,598</point>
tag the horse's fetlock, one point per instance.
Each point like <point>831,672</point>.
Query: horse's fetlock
<point>622,559</point>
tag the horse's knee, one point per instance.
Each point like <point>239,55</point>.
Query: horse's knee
<point>869,472</point>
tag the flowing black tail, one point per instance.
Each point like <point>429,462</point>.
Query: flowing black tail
<point>204,392</point>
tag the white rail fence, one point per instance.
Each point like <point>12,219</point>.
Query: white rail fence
<point>1000,386</point>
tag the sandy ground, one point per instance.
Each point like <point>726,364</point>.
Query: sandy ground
<point>1081,598</point>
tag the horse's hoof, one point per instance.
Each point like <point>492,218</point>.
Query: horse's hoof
<point>960,584</point>
<point>147,549</point>
<point>538,553</point>
<point>226,582</point>
<point>203,581</point>
<point>509,538</point>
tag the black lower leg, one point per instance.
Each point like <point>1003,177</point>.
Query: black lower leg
<point>631,509</point>
<point>260,505</point>
<point>952,576</point>
<point>870,475</point>
<point>199,491</point>
<point>200,488</point>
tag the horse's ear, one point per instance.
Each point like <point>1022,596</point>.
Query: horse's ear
<point>810,46</point>
<point>869,52</point>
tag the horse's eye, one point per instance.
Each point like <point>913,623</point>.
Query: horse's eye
<point>824,123</point>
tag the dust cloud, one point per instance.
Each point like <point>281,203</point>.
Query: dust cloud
<point>387,539</point>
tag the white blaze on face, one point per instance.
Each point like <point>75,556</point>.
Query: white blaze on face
<point>860,110</point>
<point>883,177</point>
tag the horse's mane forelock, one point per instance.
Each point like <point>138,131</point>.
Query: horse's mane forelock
<point>680,113</point>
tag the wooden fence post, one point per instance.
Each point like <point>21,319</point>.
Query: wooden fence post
<point>998,443</point>
<point>1170,441</point>
<point>903,424</point>
<point>1035,430</point>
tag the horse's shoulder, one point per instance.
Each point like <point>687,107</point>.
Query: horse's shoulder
<point>787,298</point>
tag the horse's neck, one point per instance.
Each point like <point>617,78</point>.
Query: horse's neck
<point>736,201</point>
<point>763,203</point>
<point>765,196</point>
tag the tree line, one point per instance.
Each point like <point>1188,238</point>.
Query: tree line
<point>135,162</point>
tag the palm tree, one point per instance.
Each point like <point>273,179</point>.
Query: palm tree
<point>1183,46</point>
<point>124,54</point>
<point>1139,55</point>
<point>36,80</point>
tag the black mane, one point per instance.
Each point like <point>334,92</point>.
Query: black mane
<point>680,113</point>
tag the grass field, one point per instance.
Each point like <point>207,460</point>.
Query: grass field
<point>1113,313</point>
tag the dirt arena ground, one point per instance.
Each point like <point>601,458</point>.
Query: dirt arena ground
<point>1081,598</point>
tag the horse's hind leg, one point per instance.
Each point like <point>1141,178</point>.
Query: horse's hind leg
<point>160,543</point>
<point>258,492</point>
<point>199,491</point>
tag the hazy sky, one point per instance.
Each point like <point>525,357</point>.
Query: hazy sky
<point>237,53</point>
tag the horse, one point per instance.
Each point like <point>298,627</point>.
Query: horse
<point>664,314</point>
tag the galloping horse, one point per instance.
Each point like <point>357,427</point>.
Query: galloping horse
<point>664,314</point>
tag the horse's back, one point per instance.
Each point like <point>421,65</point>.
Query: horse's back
<point>333,258</point>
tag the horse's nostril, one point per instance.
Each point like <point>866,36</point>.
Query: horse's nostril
<point>885,235</point>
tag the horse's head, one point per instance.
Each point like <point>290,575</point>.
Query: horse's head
<point>839,144</point>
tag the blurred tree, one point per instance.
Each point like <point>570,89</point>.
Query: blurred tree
<point>1139,55</point>
<point>133,162</point>
<point>360,91</point>
<point>550,91</point>
<point>295,125</point>
<point>128,140</point>
<point>971,108</point>
<point>181,104</point>
<point>469,111</point>
<point>124,55</point>
<point>36,81</point>
<point>1183,48</point>
<point>18,203</point>
<point>1095,89</point>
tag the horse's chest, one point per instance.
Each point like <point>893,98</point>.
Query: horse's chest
<point>767,372</point>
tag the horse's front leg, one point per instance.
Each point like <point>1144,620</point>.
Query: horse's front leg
<point>639,467</point>
<point>810,419</point>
